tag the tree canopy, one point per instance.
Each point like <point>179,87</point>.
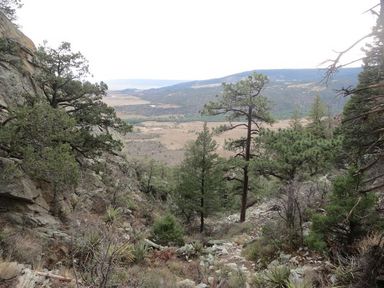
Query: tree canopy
<point>242,101</point>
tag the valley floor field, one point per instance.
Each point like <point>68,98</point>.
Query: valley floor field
<point>165,141</point>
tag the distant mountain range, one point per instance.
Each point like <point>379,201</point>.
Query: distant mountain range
<point>120,84</point>
<point>287,89</point>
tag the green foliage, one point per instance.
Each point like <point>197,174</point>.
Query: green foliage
<point>291,154</point>
<point>261,250</point>
<point>200,179</point>
<point>112,215</point>
<point>237,279</point>
<point>53,131</point>
<point>156,179</point>
<point>54,164</point>
<point>42,137</point>
<point>7,46</point>
<point>295,121</point>
<point>316,117</point>
<point>278,276</point>
<point>349,215</point>
<point>242,101</point>
<point>167,231</point>
<point>237,97</point>
<point>60,77</point>
<point>190,97</point>
<point>363,114</point>
<point>140,251</point>
<point>275,277</point>
<point>36,126</point>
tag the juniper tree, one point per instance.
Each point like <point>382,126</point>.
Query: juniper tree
<point>242,101</point>
<point>40,136</point>
<point>61,79</point>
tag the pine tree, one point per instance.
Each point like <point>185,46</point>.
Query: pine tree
<point>200,178</point>
<point>292,156</point>
<point>243,101</point>
<point>295,121</point>
<point>317,113</point>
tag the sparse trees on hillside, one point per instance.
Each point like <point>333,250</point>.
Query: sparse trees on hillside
<point>200,179</point>
<point>50,134</point>
<point>243,101</point>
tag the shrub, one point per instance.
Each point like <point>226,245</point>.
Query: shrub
<point>278,276</point>
<point>112,215</point>
<point>167,231</point>
<point>260,250</point>
<point>140,251</point>
<point>258,280</point>
<point>349,216</point>
<point>237,279</point>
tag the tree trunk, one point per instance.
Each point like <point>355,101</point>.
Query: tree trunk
<point>202,190</point>
<point>290,212</point>
<point>247,156</point>
<point>202,216</point>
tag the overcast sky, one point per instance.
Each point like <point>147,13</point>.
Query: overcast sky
<point>196,39</point>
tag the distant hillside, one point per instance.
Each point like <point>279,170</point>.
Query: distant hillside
<point>119,84</point>
<point>287,89</point>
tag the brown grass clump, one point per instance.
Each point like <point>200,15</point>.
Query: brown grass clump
<point>373,239</point>
<point>23,247</point>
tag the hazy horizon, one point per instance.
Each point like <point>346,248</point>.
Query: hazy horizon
<point>198,39</point>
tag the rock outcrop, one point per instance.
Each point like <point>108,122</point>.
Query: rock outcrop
<point>16,63</point>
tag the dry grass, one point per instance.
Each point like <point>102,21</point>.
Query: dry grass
<point>165,141</point>
<point>374,239</point>
<point>9,270</point>
<point>24,247</point>
<point>118,100</point>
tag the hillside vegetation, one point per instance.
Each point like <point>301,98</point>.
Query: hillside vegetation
<point>247,204</point>
<point>288,89</point>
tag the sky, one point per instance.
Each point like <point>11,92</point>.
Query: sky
<point>197,39</point>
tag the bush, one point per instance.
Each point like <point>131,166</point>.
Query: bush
<point>237,279</point>
<point>315,241</point>
<point>167,231</point>
<point>260,250</point>
<point>278,276</point>
<point>349,216</point>
<point>140,251</point>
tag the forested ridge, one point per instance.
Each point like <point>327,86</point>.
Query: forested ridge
<point>293,207</point>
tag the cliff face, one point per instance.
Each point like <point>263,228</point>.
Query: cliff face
<point>16,65</point>
<point>21,201</point>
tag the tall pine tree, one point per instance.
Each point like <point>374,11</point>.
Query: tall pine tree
<point>200,178</point>
<point>243,101</point>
